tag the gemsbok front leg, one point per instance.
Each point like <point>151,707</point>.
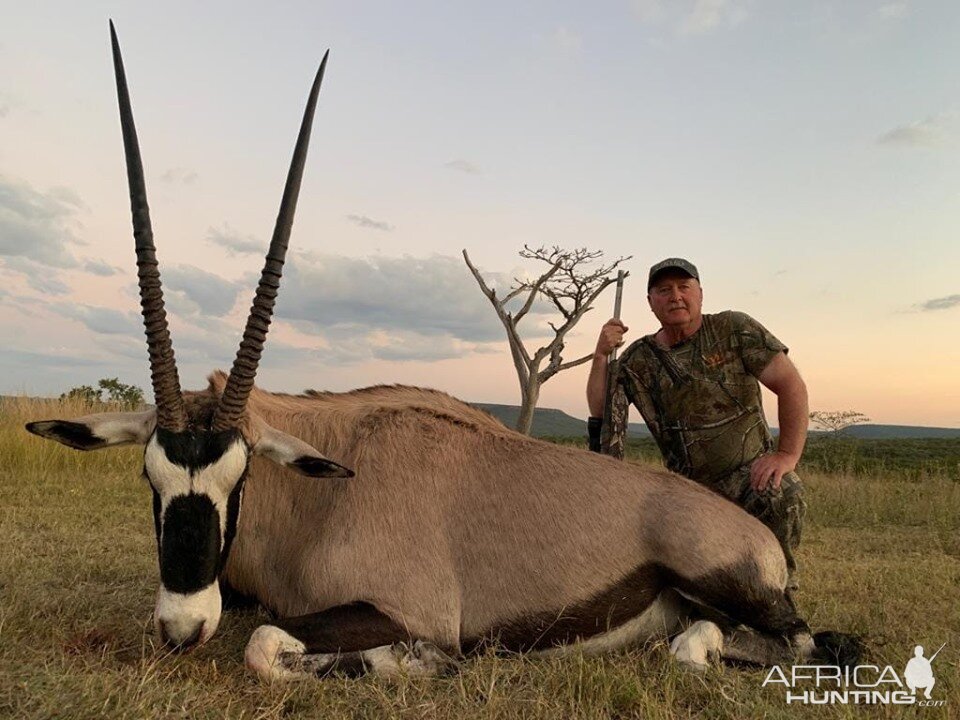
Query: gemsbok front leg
<point>350,640</point>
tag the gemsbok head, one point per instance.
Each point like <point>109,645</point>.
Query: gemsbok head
<point>197,448</point>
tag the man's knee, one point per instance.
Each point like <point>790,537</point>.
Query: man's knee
<point>782,510</point>
<point>792,509</point>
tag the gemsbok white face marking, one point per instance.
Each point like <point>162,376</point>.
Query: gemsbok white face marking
<point>186,619</point>
<point>196,507</point>
<point>215,480</point>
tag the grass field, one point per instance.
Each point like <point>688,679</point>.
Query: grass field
<point>78,570</point>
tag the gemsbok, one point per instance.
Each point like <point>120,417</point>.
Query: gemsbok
<point>449,532</point>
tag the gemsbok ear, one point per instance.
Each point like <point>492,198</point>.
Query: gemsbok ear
<point>297,455</point>
<point>93,432</point>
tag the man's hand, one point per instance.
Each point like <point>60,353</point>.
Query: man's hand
<point>611,336</point>
<point>768,470</point>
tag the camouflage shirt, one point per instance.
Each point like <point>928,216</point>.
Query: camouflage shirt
<point>700,398</point>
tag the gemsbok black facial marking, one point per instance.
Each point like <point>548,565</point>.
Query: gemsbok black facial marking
<point>157,506</point>
<point>195,451</point>
<point>233,515</point>
<point>181,553</point>
<point>190,543</point>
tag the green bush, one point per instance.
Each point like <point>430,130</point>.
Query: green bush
<point>111,390</point>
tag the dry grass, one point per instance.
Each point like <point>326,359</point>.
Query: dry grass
<point>78,572</point>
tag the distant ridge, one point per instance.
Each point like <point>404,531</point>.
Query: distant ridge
<point>893,432</point>
<point>550,422</point>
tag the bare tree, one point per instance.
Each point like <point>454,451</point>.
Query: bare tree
<point>572,282</point>
<point>836,421</point>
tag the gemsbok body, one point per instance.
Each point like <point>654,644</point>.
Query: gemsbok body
<point>395,529</point>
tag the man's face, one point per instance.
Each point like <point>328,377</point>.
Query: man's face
<point>676,299</point>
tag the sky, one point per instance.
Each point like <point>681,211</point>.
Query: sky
<point>803,155</point>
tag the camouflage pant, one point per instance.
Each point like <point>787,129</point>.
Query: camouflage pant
<point>781,510</point>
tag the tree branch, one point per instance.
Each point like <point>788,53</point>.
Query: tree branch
<point>552,370</point>
<point>521,359</point>
<point>533,292</point>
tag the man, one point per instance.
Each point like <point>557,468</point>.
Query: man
<point>695,382</point>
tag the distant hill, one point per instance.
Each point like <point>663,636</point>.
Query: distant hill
<point>549,422</point>
<point>894,432</point>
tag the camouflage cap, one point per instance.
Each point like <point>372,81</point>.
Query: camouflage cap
<point>672,264</point>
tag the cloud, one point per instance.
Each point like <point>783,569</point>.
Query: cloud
<point>347,310</point>
<point>567,40</point>
<point>366,222</point>
<point>395,308</point>
<point>102,320</point>
<point>408,346</point>
<point>179,176</point>
<point>236,243</point>
<point>894,10</point>
<point>647,11</point>
<point>707,15</point>
<point>133,348</point>
<point>48,284</point>
<point>692,17</point>
<point>929,132</point>
<point>6,105</point>
<point>211,294</point>
<point>30,359</point>
<point>432,296</point>
<point>100,267</point>
<point>464,166</point>
<point>216,347</point>
<point>943,303</point>
<point>210,347</point>
<point>41,278</point>
<point>38,226</point>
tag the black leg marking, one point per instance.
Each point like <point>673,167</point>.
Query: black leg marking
<point>350,664</point>
<point>841,649</point>
<point>232,599</point>
<point>738,593</point>
<point>746,646</point>
<point>607,610</point>
<point>344,628</point>
<point>739,596</point>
